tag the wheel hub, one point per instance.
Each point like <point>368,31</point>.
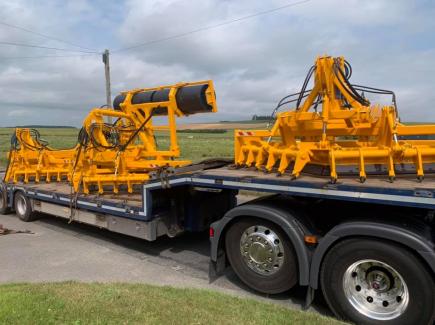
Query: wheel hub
<point>262,250</point>
<point>259,252</point>
<point>375,289</point>
<point>379,281</point>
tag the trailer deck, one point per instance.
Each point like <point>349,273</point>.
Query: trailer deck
<point>405,191</point>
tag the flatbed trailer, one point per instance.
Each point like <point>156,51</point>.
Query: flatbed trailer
<point>369,247</point>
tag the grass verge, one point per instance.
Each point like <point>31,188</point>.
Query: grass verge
<point>80,303</point>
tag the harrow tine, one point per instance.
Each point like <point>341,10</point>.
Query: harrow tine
<point>251,157</point>
<point>362,170</point>
<point>284,162</point>
<point>419,166</point>
<point>260,158</point>
<point>333,172</point>
<point>391,172</point>
<point>271,161</point>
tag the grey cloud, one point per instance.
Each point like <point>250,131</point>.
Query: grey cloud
<point>253,63</point>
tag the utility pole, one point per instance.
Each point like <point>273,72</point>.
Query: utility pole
<point>107,73</point>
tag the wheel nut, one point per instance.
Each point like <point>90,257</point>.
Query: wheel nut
<point>385,303</point>
<point>358,288</point>
<point>369,299</point>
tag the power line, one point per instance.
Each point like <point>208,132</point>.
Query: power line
<point>44,47</point>
<point>48,56</point>
<point>261,13</point>
<point>43,35</point>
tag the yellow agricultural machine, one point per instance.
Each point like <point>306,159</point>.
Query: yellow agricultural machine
<point>114,155</point>
<point>335,128</point>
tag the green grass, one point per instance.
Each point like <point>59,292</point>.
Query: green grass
<point>194,146</point>
<point>79,303</point>
<point>202,131</point>
<point>200,146</point>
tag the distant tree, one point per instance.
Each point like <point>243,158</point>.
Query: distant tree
<point>261,117</point>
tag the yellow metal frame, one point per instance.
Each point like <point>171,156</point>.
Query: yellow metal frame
<point>343,133</point>
<point>88,165</point>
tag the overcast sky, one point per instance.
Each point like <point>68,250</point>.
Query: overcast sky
<point>255,62</point>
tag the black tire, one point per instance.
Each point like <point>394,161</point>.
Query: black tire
<point>23,207</point>
<point>280,281</point>
<point>4,209</point>
<point>419,282</point>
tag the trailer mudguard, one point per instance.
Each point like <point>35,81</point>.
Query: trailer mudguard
<point>417,239</point>
<point>288,222</point>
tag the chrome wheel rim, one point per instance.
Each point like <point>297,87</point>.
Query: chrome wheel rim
<point>262,250</point>
<point>375,289</point>
<point>21,205</point>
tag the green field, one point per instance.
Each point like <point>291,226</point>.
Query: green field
<point>80,303</point>
<point>194,145</point>
<point>200,146</point>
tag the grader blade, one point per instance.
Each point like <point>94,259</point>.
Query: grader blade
<point>334,127</point>
<point>119,155</point>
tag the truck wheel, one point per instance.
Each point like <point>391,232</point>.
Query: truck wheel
<point>371,282</point>
<point>4,209</point>
<point>23,208</point>
<point>261,255</point>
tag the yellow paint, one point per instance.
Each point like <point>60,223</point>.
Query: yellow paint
<point>87,166</point>
<point>343,132</point>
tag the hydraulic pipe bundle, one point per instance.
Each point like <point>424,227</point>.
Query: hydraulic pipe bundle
<point>334,129</point>
<point>114,155</point>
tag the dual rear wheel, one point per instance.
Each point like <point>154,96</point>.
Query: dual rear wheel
<point>4,209</point>
<point>365,281</point>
